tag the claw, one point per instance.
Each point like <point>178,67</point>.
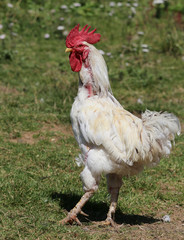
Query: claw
<point>84,214</point>
<point>70,219</point>
<point>110,222</point>
<point>107,222</point>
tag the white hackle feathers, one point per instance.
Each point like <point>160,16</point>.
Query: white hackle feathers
<point>98,70</point>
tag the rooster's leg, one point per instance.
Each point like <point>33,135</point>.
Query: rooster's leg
<point>114,183</point>
<point>72,215</point>
<point>112,209</point>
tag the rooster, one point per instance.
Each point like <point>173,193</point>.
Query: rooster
<point>112,140</point>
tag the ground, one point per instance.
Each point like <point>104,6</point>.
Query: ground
<point>129,226</point>
<point>39,180</point>
<point>146,231</point>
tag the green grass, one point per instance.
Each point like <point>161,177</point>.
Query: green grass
<point>39,179</point>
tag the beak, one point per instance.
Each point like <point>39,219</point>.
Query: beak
<point>68,50</point>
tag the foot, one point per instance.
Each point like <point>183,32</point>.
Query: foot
<point>107,222</point>
<point>72,215</point>
<point>70,219</point>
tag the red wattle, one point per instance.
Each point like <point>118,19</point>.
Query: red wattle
<point>75,61</point>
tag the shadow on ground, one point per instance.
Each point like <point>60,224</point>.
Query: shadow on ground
<point>98,211</point>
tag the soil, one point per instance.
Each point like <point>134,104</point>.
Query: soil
<point>158,230</point>
<point>6,90</point>
<point>57,130</point>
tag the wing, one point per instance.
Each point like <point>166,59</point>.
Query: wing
<point>109,126</point>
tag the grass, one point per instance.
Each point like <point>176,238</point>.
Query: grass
<point>39,179</point>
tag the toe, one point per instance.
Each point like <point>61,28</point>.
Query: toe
<point>70,219</point>
<point>107,222</point>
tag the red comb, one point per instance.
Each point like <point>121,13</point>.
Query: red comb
<point>75,37</point>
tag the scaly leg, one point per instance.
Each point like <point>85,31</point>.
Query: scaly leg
<point>72,215</point>
<point>112,209</point>
<point>114,183</point>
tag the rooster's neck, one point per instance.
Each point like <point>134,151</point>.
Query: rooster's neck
<point>90,90</point>
<point>93,76</point>
<point>86,81</point>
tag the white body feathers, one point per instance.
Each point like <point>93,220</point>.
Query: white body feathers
<point>111,139</point>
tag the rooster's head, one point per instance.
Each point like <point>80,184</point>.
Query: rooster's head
<point>75,43</point>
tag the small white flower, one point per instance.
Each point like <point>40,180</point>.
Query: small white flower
<point>135,4</point>
<point>14,34</point>
<point>112,4</point>
<point>127,64</point>
<point>144,46</point>
<point>128,4</point>
<point>77,4</point>
<point>111,13</point>
<point>64,7</point>
<point>119,4</point>
<point>108,54</point>
<point>101,51</point>
<point>1,26</point>
<point>139,101</point>
<point>182,58</point>
<point>10,5</point>
<point>62,19</point>
<point>155,2</point>
<point>145,50</point>
<point>11,24</point>
<point>2,36</point>
<point>65,33</point>
<point>101,6</point>
<point>140,33</point>
<point>60,28</point>
<point>52,10</point>
<point>47,35</point>
<point>42,100</point>
<point>133,10</point>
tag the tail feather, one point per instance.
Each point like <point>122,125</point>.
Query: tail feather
<point>161,129</point>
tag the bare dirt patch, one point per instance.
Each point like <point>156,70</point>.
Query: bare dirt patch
<point>51,132</point>
<point>64,129</point>
<point>7,90</point>
<point>158,230</point>
<point>26,137</point>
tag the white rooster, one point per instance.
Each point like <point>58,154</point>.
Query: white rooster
<point>112,140</point>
